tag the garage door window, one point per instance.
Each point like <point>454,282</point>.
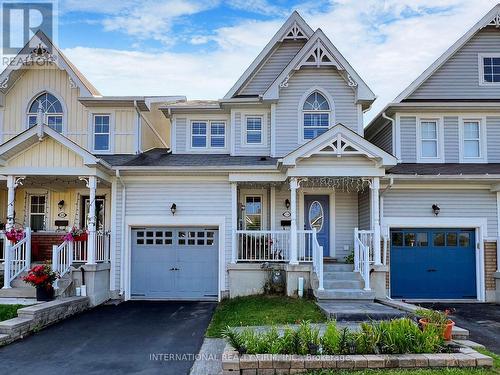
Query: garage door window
<point>410,239</point>
<point>438,239</point>
<point>464,239</point>
<point>451,239</point>
<point>199,238</point>
<point>151,237</point>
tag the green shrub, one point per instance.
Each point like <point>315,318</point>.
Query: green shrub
<point>399,336</point>
<point>433,316</point>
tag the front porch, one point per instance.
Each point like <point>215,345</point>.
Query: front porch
<point>309,224</point>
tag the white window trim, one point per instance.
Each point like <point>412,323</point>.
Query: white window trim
<point>263,138</point>
<point>482,140</point>
<point>63,105</point>
<point>38,192</point>
<point>300,111</point>
<point>111,115</point>
<point>263,201</point>
<point>94,132</point>
<point>480,65</point>
<point>440,140</point>
<point>208,135</point>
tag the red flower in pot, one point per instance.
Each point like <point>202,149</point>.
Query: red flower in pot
<point>42,277</point>
<point>15,235</point>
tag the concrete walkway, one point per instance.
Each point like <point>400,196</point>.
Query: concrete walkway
<point>354,311</point>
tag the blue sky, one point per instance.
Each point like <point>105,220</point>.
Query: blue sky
<point>200,48</point>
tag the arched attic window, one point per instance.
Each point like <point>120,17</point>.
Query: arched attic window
<point>52,110</point>
<point>316,112</point>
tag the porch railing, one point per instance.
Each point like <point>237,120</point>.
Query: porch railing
<point>80,252</point>
<point>17,257</point>
<point>305,245</point>
<point>262,245</point>
<point>2,244</point>
<point>363,254</point>
<point>317,259</point>
<point>62,259</point>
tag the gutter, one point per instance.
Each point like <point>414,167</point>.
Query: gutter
<point>122,241</point>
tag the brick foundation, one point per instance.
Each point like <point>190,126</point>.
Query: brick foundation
<point>41,245</point>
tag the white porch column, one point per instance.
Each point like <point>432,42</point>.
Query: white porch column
<point>12,183</point>
<point>234,221</point>
<point>294,185</point>
<point>375,187</point>
<point>92,185</point>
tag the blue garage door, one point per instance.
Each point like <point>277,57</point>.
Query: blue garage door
<point>175,263</point>
<point>433,263</point>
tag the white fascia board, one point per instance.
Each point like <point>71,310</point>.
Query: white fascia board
<point>295,17</point>
<point>448,53</point>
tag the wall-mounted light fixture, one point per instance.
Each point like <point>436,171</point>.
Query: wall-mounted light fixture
<point>287,203</point>
<point>436,209</point>
<point>60,204</point>
<point>173,208</point>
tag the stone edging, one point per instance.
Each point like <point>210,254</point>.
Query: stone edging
<point>33,318</point>
<point>269,364</point>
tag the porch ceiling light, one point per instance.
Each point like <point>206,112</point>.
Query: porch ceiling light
<point>287,203</point>
<point>436,209</point>
<point>173,208</point>
<point>60,204</point>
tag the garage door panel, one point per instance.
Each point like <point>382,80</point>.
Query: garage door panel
<point>433,263</point>
<point>175,263</point>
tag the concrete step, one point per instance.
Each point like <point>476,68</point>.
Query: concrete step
<point>345,294</point>
<point>26,292</point>
<point>18,282</point>
<point>342,275</point>
<point>342,284</point>
<point>358,311</point>
<point>338,267</point>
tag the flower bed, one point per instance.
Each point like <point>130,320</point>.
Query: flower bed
<point>399,343</point>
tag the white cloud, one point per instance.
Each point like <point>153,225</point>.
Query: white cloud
<point>389,43</point>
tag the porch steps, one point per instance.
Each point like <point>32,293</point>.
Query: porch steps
<point>24,292</point>
<point>358,311</point>
<point>341,283</point>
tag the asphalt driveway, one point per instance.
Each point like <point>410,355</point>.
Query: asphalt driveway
<point>130,338</point>
<point>481,319</point>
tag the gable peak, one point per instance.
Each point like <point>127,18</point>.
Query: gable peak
<point>495,21</point>
<point>295,32</point>
<point>319,56</point>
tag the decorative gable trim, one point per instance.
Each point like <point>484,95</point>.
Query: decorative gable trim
<point>339,141</point>
<point>295,32</point>
<point>492,18</point>
<point>283,32</point>
<point>319,56</point>
<point>44,52</point>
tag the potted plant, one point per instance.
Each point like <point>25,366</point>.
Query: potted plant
<point>438,319</point>
<point>15,235</point>
<point>76,235</point>
<point>42,277</point>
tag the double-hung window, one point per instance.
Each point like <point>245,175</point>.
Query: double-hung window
<point>489,69</point>
<point>208,134</point>
<point>38,204</point>
<point>101,132</point>
<point>199,134</point>
<point>429,139</point>
<point>254,130</point>
<point>217,134</point>
<point>316,115</point>
<point>253,212</point>
<point>472,141</point>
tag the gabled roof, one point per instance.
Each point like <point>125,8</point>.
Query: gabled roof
<point>294,28</point>
<point>318,51</point>
<point>339,141</point>
<point>492,18</point>
<point>36,134</point>
<point>44,50</point>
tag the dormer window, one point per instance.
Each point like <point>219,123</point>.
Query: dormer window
<point>316,115</point>
<point>52,111</point>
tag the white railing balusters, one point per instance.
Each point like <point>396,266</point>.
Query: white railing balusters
<point>317,258</point>
<point>262,246</point>
<point>363,254</point>
<point>102,250</point>
<point>62,259</point>
<point>17,257</point>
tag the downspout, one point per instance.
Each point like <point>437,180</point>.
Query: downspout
<point>122,241</point>
<point>394,138</point>
<point>138,138</point>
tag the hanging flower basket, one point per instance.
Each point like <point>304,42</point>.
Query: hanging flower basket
<point>15,235</point>
<point>75,235</point>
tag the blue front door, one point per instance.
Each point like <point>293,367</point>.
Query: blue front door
<point>316,215</point>
<point>433,263</point>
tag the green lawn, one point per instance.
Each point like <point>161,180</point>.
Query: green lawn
<point>9,311</point>
<point>262,310</point>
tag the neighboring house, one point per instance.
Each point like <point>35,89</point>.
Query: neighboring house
<point>187,199</point>
<point>445,131</point>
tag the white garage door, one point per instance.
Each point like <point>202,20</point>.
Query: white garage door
<point>175,263</point>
